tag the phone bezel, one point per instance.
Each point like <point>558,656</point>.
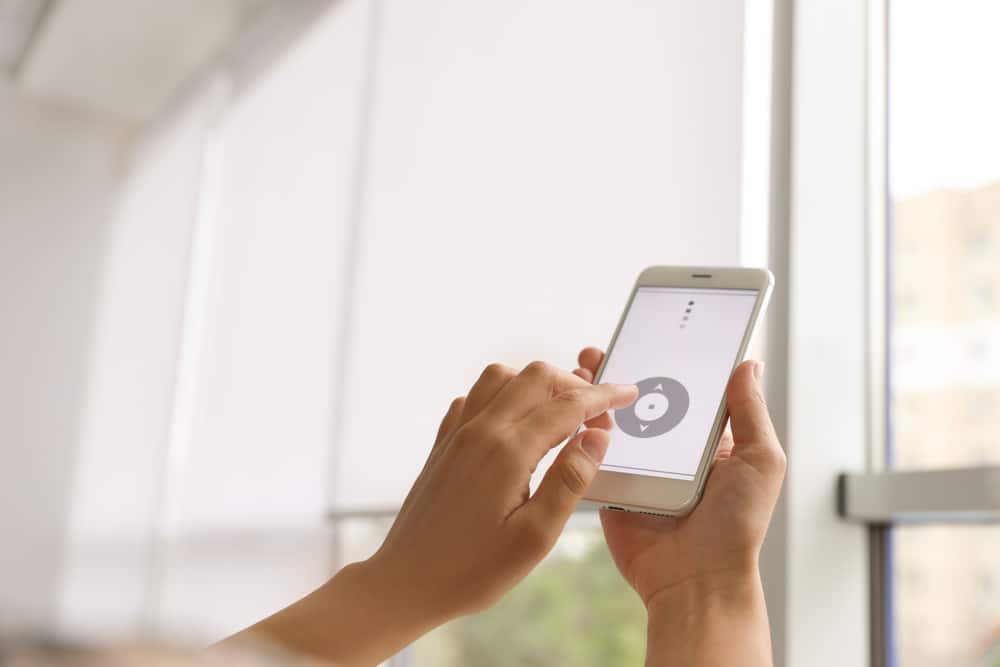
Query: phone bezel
<point>675,497</point>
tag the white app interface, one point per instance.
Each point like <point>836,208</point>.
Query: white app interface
<point>679,346</point>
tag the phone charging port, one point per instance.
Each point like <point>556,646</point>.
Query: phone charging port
<point>615,508</point>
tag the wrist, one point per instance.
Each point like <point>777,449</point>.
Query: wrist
<point>717,619</point>
<point>362,616</point>
<point>714,592</point>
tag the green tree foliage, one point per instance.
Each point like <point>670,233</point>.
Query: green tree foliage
<point>570,611</point>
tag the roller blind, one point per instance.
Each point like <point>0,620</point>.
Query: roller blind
<point>527,159</point>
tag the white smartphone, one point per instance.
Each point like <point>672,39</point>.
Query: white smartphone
<point>683,332</point>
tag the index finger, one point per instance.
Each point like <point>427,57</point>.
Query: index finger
<point>534,385</point>
<point>557,418</point>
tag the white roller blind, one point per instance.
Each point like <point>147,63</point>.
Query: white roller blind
<point>253,487</point>
<point>266,373</point>
<point>527,160</point>
<point>131,373</point>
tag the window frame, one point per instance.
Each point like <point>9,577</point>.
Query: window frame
<point>827,249</point>
<point>877,498</point>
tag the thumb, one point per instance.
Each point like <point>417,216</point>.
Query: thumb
<point>566,481</point>
<point>754,439</point>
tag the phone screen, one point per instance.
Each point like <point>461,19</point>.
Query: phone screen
<point>679,346</point>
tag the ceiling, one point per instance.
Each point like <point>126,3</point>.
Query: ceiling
<point>18,21</point>
<point>120,59</point>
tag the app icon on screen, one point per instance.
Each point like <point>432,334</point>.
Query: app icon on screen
<point>662,404</point>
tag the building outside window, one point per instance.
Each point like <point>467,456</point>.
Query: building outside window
<point>944,182</point>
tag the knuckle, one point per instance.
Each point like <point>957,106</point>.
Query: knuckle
<point>538,369</point>
<point>570,396</point>
<point>573,475</point>
<point>457,404</point>
<point>572,400</point>
<point>496,371</point>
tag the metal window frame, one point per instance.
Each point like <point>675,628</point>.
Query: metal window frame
<point>881,633</point>
<point>947,495</point>
<point>879,498</point>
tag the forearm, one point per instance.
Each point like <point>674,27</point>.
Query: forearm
<point>358,618</point>
<point>715,623</point>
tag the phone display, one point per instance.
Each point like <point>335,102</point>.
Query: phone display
<point>679,345</point>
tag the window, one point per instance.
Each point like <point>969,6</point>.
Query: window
<point>944,189</point>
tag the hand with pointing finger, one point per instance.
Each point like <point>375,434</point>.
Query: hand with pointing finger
<point>468,531</point>
<point>469,520</point>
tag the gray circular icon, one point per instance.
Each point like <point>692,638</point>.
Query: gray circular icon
<point>662,404</point>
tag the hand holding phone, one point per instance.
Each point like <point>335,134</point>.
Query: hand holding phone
<point>724,533</point>
<point>698,574</point>
<point>683,332</point>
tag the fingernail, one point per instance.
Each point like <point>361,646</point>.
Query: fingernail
<point>758,370</point>
<point>595,446</point>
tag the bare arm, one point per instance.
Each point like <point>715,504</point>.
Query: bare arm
<point>359,617</point>
<point>716,624</point>
<point>467,531</point>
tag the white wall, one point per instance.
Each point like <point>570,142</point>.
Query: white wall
<point>58,174</point>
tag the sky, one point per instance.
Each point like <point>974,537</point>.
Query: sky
<point>944,94</point>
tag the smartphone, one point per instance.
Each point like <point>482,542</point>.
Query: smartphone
<point>683,332</point>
